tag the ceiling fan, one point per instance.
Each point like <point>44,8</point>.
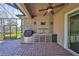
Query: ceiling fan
<point>50,8</point>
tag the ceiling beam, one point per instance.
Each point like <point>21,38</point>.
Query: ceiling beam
<point>24,9</point>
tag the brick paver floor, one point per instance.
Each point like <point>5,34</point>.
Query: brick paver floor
<point>16,48</point>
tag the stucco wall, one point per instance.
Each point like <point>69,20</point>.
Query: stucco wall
<point>59,22</point>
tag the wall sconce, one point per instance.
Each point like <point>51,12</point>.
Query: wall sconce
<point>35,23</point>
<point>51,22</point>
<point>43,23</point>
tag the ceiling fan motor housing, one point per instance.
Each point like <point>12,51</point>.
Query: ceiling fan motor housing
<point>49,10</point>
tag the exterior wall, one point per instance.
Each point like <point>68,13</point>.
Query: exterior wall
<point>40,19</point>
<point>29,24</point>
<point>59,22</point>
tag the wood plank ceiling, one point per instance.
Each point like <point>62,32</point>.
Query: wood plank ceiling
<point>33,8</point>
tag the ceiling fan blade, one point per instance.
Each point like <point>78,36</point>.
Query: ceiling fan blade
<point>42,9</point>
<point>52,12</point>
<point>45,13</point>
<point>59,5</point>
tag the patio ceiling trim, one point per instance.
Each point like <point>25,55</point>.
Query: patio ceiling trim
<point>23,9</point>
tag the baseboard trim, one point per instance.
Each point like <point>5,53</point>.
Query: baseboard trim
<point>72,52</point>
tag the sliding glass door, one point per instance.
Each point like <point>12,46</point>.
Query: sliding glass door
<point>73,27</point>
